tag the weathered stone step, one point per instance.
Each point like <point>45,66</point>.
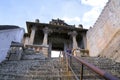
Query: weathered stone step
<point>32,77</point>
<point>50,69</point>
<point>16,77</point>
<point>33,57</point>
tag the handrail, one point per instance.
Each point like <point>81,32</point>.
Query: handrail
<point>100,72</point>
<point>71,68</point>
<point>73,72</point>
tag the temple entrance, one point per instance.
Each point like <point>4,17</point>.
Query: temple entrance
<point>54,36</point>
<point>56,49</point>
<point>55,54</point>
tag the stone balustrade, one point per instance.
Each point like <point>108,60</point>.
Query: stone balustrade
<point>36,48</point>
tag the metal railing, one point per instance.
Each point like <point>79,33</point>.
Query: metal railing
<point>98,73</point>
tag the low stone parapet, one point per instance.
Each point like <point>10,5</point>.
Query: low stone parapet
<point>38,49</point>
<point>33,57</point>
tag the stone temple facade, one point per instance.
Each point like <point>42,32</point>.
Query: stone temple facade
<point>32,61</point>
<point>55,35</point>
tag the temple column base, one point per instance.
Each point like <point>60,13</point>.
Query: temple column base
<point>45,51</point>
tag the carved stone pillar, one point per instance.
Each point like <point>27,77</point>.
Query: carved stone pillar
<point>50,49</point>
<point>31,40</point>
<point>74,34</point>
<point>84,40</point>
<point>45,41</point>
<point>26,41</point>
<point>65,46</point>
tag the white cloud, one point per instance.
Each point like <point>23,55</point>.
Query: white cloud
<point>71,20</point>
<point>94,3</point>
<point>91,16</point>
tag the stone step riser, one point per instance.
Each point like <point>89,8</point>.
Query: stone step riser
<point>49,70</point>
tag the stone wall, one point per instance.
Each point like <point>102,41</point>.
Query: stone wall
<point>105,30</point>
<point>6,36</point>
<point>112,50</point>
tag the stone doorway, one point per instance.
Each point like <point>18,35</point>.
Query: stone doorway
<point>56,49</point>
<point>55,54</point>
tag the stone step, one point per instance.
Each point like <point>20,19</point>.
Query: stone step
<point>21,77</point>
<point>52,69</point>
<point>53,77</point>
<point>38,56</point>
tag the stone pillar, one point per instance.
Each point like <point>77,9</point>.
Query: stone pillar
<point>31,40</point>
<point>50,49</point>
<point>74,34</point>
<point>45,41</point>
<point>84,40</point>
<point>65,46</point>
<point>26,42</point>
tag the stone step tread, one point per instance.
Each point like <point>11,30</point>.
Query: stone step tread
<point>36,69</point>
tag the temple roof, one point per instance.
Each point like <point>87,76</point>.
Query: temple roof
<point>4,27</point>
<point>54,24</point>
<point>60,22</point>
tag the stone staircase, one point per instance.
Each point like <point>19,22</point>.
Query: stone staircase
<point>34,66</point>
<point>28,70</point>
<point>105,64</point>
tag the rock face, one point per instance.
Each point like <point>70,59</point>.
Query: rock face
<point>112,50</point>
<point>7,35</point>
<point>104,35</point>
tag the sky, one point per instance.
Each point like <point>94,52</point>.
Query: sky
<point>17,12</point>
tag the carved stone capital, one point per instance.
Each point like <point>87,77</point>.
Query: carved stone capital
<point>74,33</point>
<point>47,30</point>
<point>33,28</point>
